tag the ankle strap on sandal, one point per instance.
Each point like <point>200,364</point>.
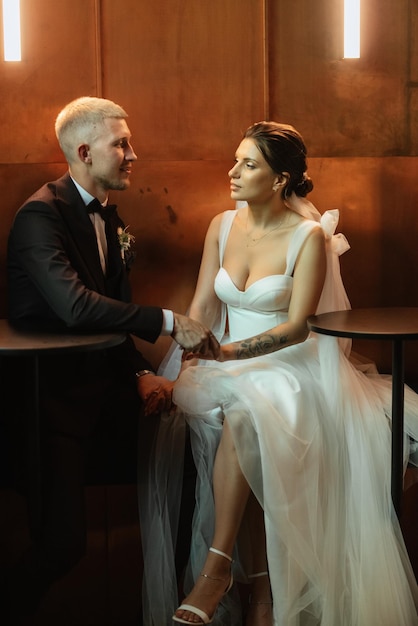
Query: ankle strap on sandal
<point>220,553</point>
<point>258,575</point>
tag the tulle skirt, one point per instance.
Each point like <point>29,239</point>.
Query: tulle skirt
<point>313,438</point>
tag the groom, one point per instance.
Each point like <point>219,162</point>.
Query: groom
<point>66,271</point>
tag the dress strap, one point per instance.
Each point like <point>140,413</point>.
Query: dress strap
<point>225,227</point>
<point>298,238</point>
<point>219,325</point>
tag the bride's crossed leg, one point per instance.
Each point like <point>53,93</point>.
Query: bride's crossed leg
<point>232,500</point>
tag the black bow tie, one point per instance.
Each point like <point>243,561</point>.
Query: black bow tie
<point>104,211</point>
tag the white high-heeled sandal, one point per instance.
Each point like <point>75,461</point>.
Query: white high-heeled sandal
<point>188,607</point>
<point>258,574</point>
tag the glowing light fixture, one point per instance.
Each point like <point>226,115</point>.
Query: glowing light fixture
<point>351,29</point>
<point>11,30</point>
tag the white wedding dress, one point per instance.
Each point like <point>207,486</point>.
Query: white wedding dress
<point>311,427</point>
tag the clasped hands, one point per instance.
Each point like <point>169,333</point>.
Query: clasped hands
<point>197,342</point>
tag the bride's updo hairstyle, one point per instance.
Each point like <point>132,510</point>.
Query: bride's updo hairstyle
<point>284,150</point>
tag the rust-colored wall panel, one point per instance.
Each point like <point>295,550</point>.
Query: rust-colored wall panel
<point>413,119</point>
<point>376,199</point>
<point>377,202</point>
<point>168,208</point>
<point>190,74</point>
<point>412,91</point>
<point>59,64</point>
<point>413,40</point>
<point>342,107</point>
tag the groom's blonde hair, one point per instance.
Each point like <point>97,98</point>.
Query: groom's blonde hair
<point>79,120</point>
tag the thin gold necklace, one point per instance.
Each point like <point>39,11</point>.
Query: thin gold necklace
<point>253,241</point>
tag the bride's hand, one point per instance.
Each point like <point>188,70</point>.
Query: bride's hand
<point>189,356</point>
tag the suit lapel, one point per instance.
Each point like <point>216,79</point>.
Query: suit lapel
<point>115,264</point>
<point>80,229</point>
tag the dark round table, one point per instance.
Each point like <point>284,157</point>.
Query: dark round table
<point>29,343</point>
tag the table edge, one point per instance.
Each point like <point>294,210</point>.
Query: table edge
<point>110,340</point>
<point>361,334</point>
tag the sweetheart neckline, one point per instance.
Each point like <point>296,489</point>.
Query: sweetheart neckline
<point>254,283</point>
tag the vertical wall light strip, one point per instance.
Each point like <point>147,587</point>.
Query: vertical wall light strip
<point>266,71</point>
<point>98,48</point>
<point>351,29</point>
<point>11,30</point>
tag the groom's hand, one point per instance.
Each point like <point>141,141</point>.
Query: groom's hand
<point>156,393</point>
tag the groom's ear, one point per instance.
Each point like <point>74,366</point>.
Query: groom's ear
<point>84,153</point>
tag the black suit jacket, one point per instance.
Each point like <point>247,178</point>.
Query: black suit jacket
<point>55,281</point>
<point>54,269</point>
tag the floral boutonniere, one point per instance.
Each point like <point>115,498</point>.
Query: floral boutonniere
<point>125,239</point>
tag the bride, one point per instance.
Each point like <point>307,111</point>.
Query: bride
<point>290,433</point>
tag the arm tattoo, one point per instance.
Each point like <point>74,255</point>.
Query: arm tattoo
<point>262,344</point>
